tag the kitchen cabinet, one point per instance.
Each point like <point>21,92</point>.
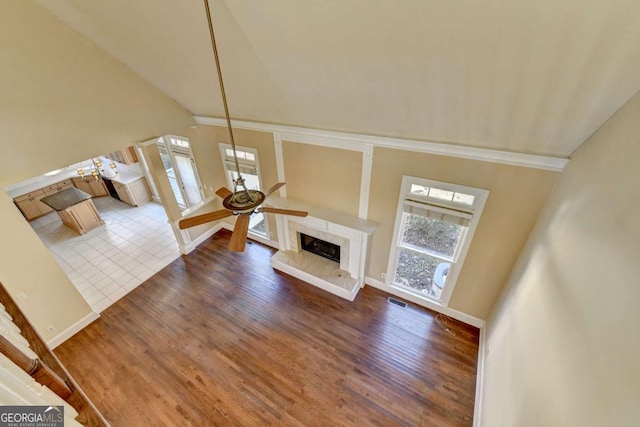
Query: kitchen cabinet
<point>82,217</point>
<point>58,186</point>
<point>98,188</point>
<point>75,208</point>
<point>91,186</point>
<point>125,156</point>
<point>134,192</point>
<point>44,209</point>
<point>30,204</point>
<point>123,192</point>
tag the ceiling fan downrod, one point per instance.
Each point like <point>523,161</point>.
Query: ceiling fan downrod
<point>241,197</point>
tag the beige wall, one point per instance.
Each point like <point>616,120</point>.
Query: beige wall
<point>563,343</point>
<point>330,177</point>
<point>207,153</point>
<point>27,267</point>
<point>65,100</point>
<point>206,148</point>
<point>323,176</point>
<point>517,195</point>
<point>205,144</point>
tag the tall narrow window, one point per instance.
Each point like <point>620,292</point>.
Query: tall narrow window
<point>250,170</point>
<point>434,227</point>
<point>178,162</point>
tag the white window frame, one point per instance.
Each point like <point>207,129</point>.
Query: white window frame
<point>227,160</point>
<point>172,150</point>
<point>475,210</point>
<point>254,164</point>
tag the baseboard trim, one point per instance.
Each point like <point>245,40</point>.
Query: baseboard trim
<point>72,330</point>
<point>454,314</point>
<point>263,240</point>
<point>189,247</point>
<point>477,407</point>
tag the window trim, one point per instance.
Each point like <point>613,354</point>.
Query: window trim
<point>475,210</point>
<point>226,160</point>
<point>172,150</point>
<point>242,162</point>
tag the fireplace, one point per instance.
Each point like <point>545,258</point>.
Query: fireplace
<point>339,244</point>
<point>320,247</point>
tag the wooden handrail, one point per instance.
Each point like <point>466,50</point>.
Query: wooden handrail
<point>38,370</point>
<point>87,413</point>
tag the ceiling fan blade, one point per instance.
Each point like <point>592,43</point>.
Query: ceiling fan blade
<point>201,219</point>
<point>224,192</point>
<point>239,236</point>
<point>284,211</point>
<point>273,189</point>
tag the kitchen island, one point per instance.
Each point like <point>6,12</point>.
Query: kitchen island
<point>75,208</point>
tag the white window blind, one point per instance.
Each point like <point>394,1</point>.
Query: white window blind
<point>436,212</point>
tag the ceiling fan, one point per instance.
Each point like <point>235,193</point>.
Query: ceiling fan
<point>240,202</point>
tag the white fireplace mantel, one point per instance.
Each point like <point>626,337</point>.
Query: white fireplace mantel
<point>352,234</point>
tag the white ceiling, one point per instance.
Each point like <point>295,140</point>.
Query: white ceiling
<point>518,75</point>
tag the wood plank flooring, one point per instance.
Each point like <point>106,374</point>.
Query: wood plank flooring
<point>220,338</point>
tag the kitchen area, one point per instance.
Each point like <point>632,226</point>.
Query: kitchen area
<point>116,174</point>
<point>99,220</point>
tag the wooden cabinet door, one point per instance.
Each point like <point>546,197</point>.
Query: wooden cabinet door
<point>123,193</point>
<point>64,184</point>
<point>125,156</point>
<point>86,216</point>
<point>29,208</point>
<point>84,186</point>
<point>139,191</point>
<point>98,189</point>
<point>44,209</point>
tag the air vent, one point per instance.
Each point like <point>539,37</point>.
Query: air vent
<point>396,302</point>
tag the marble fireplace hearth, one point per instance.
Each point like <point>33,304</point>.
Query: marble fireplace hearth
<point>351,234</point>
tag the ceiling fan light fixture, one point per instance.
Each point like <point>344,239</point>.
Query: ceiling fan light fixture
<point>241,202</point>
<point>245,201</point>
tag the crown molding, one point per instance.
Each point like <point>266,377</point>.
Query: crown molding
<point>357,142</point>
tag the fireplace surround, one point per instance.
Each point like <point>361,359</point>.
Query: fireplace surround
<point>347,236</point>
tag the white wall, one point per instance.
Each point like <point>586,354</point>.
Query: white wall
<point>563,344</point>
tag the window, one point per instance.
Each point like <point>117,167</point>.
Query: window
<point>177,159</point>
<point>250,170</point>
<point>434,226</point>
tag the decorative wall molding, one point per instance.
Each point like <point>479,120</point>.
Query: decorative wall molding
<point>72,330</point>
<point>277,141</point>
<point>353,141</point>
<point>365,181</point>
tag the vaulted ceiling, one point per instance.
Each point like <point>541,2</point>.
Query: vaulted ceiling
<point>525,76</point>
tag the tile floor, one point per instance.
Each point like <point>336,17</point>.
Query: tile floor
<point>108,262</point>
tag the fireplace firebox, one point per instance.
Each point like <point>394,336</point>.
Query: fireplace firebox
<point>320,247</point>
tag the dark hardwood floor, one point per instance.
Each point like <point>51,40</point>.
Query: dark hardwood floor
<point>220,338</point>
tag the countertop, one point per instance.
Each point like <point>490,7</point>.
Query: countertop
<point>125,177</point>
<point>65,199</point>
<point>126,174</point>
